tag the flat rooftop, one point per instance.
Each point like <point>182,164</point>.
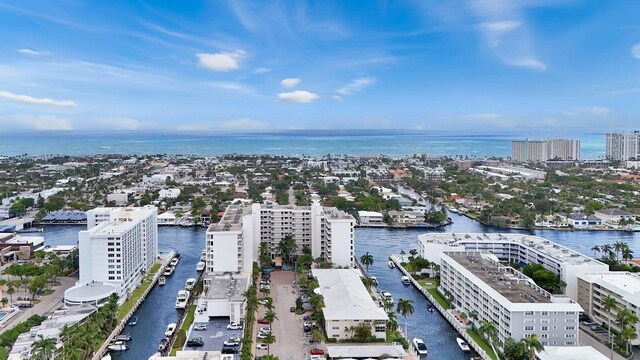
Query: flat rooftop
<point>345,297</point>
<point>537,243</point>
<point>112,227</point>
<point>627,285</point>
<point>505,280</point>
<point>362,351</point>
<point>232,219</point>
<point>226,287</point>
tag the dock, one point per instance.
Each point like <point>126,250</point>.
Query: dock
<point>461,329</point>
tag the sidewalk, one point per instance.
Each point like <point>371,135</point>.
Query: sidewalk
<point>46,304</point>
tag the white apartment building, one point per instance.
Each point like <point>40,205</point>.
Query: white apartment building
<point>168,194</point>
<point>119,247</point>
<point>370,218</point>
<point>232,245</point>
<point>613,215</point>
<point>223,297</point>
<point>624,287</point>
<point>120,199</point>
<point>479,284</point>
<point>347,303</point>
<point>515,248</point>
<point>542,150</point>
<point>622,146</point>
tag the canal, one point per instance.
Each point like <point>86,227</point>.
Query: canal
<point>158,310</point>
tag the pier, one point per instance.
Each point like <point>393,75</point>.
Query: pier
<point>461,329</point>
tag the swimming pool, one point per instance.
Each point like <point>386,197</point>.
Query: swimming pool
<point>2,315</point>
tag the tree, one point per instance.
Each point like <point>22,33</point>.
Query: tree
<point>489,332</point>
<point>43,348</point>
<point>264,257</point>
<point>533,346</point>
<point>361,332</point>
<point>4,301</point>
<point>286,247</point>
<point>11,289</point>
<point>269,339</point>
<point>610,304</point>
<point>515,350</point>
<point>366,260</point>
<point>404,308</point>
<point>413,252</point>
<point>595,249</point>
<point>392,323</point>
<point>270,316</point>
<point>36,284</point>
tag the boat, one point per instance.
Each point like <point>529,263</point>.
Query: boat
<point>171,328</point>
<point>106,357</point>
<point>420,346</point>
<point>182,299</point>
<point>392,264</point>
<point>174,261</point>
<point>118,347</point>
<point>386,296</point>
<point>133,321</point>
<point>162,280</point>
<point>191,282</point>
<point>406,280</point>
<point>123,337</point>
<point>163,344</point>
<point>177,255</point>
<point>200,266</point>
<point>430,308</point>
<point>169,271</point>
<point>374,280</point>
<point>453,210</point>
<point>463,344</point>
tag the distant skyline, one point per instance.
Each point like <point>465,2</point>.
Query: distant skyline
<point>283,65</point>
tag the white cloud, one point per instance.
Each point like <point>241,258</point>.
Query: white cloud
<point>483,116</point>
<point>298,96</point>
<point>31,100</point>
<point>117,123</point>
<point>37,122</point>
<point>356,85</point>
<point>635,51</point>
<point>32,52</point>
<point>244,124</point>
<point>500,27</point>
<point>290,82</point>
<point>262,70</point>
<point>337,97</point>
<point>224,61</point>
<point>596,110</point>
<point>531,64</point>
<point>232,86</point>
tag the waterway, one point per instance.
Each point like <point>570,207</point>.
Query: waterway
<point>158,310</point>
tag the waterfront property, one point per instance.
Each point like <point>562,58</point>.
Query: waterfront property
<point>347,303</point>
<point>13,246</point>
<point>120,245</point>
<point>233,243</point>
<point>476,283</point>
<point>624,287</point>
<point>515,248</point>
<point>194,355</point>
<point>224,297</point>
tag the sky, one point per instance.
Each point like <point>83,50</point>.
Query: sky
<point>283,64</point>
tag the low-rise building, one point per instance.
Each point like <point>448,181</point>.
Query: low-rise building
<point>406,218</point>
<point>224,297</point>
<point>120,199</point>
<point>168,194</point>
<point>370,218</point>
<point>347,303</point>
<point>613,215</point>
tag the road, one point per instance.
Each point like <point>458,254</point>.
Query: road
<point>46,304</point>
<point>292,197</point>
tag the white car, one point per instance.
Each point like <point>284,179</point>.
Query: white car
<point>234,326</point>
<point>262,335</point>
<point>265,330</point>
<point>200,327</point>
<point>263,302</point>
<point>232,342</point>
<point>262,346</point>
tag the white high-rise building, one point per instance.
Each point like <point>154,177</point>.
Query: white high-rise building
<point>119,247</point>
<point>543,150</point>
<point>232,245</point>
<point>623,146</point>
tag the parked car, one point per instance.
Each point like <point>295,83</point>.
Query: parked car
<point>317,352</point>
<point>195,342</point>
<point>229,350</point>
<point>262,321</point>
<point>264,330</point>
<point>263,302</point>
<point>234,326</point>
<point>262,346</point>
<point>233,341</point>
<point>292,309</point>
<point>200,327</point>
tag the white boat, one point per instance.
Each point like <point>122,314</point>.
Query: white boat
<point>392,264</point>
<point>191,282</point>
<point>106,357</point>
<point>171,328</point>
<point>420,346</point>
<point>200,266</point>
<point>182,299</point>
<point>174,262</point>
<point>386,296</point>
<point>374,280</point>
<point>453,210</point>
<point>406,280</point>
<point>162,280</point>
<point>118,346</point>
<point>463,344</point>
<point>169,271</point>
<point>123,337</point>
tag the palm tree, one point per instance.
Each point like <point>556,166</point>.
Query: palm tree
<point>392,323</point>
<point>489,332</point>
<point>387,305</point>
<point>11,289</point>
<point>618,246</point>
<point>269,339</point>
<point>627,334</point>
<point>4,301</point>
<point>533,346</point>
<point>404,308</point>
<point>286,247</point>
<point>627,254</point>
<point>609,304</point>
<point>270,316</point>
<point>43,348</point>
<point>366,260</point>
<point>595,249</point>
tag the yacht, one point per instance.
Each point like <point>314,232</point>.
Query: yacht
<point>133,321</point>
<point>118,346</point>
<point>123,337</point>
<point>203,255</point>
<point>463,344</point>
<point>174,261</point>
<point>162,280</point>
<point>406,280</point>
<point>169,271</point>
<point>170,329</point>
<point>200,266</point>
<point>420,346</point>
<point>191,282</point>
<point>374,280</point>
<point>392,264</point>
<point>386,296</point>
<point>183,298</point>
<point>163,344</point>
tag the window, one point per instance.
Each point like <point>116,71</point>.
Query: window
<point>528,312</point>
<point>544,328</point>
<point>529,328</point>
<point>570,328</point>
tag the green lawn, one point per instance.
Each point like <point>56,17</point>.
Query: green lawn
<point>137,293</point>
<point>436,295</point>
<point>191,310</point>
<point>426,284</point>
<point>483,344</point>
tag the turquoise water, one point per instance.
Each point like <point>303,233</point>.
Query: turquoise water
<point>2,315</point>
<point>307,142</point>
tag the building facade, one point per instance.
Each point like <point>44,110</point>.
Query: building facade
<point>622,146</point>
<point>478,284</point>
<point>543,150</point>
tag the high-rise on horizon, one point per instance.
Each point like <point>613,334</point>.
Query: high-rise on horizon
<point>543,150</point>
<point>623,146</point>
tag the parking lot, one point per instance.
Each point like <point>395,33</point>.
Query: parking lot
<point>215,335</point>
<point>291,341</point>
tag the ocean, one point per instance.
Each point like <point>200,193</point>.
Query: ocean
<point>299,142</point>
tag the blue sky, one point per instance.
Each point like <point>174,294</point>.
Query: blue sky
<point>277,65</point>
